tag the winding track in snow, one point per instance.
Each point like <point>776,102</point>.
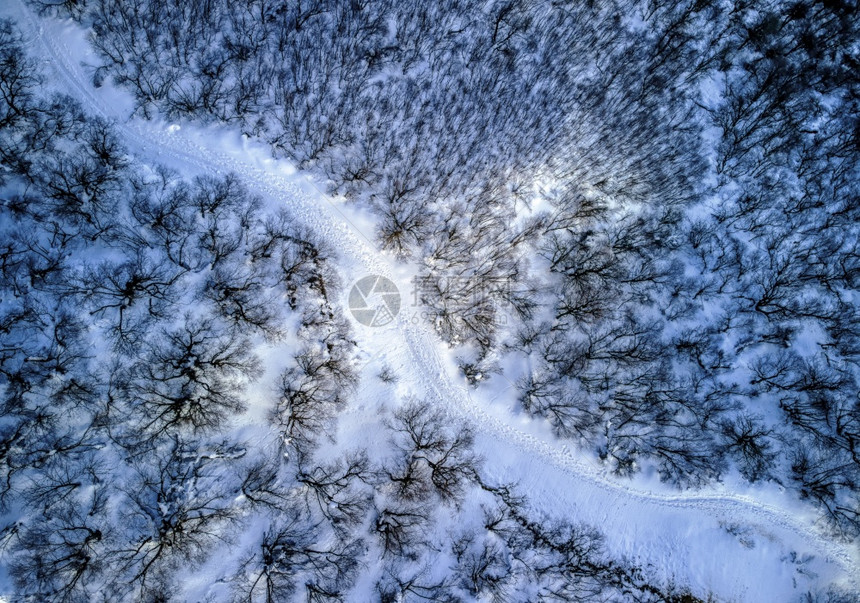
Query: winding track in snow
<point>322,216</point>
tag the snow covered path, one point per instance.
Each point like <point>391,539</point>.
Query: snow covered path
<point>778,516</point>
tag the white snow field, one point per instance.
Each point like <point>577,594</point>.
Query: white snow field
<point>737,542</point>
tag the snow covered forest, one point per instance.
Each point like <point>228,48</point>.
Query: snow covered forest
<point>632,229</point>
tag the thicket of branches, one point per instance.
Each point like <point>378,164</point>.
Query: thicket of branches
<point>441,119</point>
<point>722,337</point>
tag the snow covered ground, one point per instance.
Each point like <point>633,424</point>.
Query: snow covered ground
<point>740,543</point>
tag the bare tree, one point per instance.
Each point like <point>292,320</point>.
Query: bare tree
<point>290,556</point>
<point>339,490</point>
<point>18,78</point>
<point>61,555</point>
<point>313,389</point>
<point>174,509</point>
<point>429,456</point>
<point>188,378</point>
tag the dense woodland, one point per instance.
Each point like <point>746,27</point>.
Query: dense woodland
<point>135,304</point>
<point>659,198</point>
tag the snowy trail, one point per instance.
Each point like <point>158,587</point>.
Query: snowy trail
<point>421,344</point>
